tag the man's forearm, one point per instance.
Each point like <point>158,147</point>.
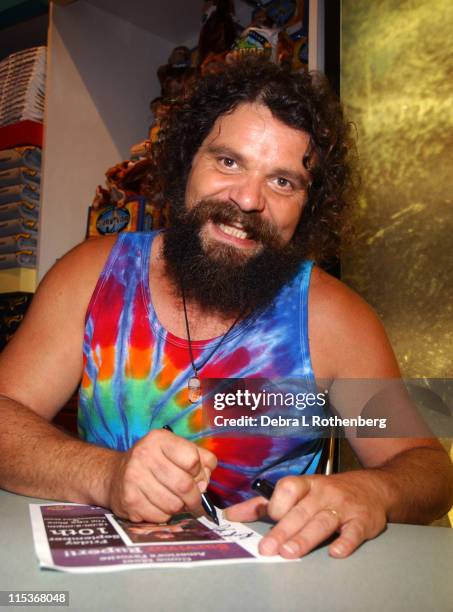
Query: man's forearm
<point>417,485</point>
<point>37,459</point>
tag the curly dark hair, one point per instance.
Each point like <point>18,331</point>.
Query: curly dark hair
<point>300,100</point>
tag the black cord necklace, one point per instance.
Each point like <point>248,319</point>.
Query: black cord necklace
<point>194,384</point>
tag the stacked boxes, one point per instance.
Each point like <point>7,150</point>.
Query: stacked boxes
<point>22,95</point>
<point>20,177</point>
<point>22,86</point>
<point>19,209</point>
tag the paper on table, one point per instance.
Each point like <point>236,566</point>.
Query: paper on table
<point>79,538</point>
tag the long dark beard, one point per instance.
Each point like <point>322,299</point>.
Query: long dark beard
<point>219,276</point>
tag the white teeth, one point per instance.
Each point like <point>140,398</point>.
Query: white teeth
<point>233,231</point>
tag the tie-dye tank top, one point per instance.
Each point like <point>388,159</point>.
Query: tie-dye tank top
<point>136,373</point>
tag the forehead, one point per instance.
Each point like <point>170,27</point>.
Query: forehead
<point>252,126</point>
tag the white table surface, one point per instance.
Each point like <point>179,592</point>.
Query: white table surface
<point>406,568</point>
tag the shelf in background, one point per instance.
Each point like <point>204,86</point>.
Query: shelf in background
<point>18,279</point>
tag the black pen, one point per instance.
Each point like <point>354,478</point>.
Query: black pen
<point>206,502</point>
<point>263,487</point>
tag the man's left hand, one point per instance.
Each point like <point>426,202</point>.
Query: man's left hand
<point>310,509</point>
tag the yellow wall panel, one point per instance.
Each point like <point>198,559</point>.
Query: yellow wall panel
<point>397,87</point>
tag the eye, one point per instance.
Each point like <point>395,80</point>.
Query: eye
<point>283,183</point>
<point>227,162</point>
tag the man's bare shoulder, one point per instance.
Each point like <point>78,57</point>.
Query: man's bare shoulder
<point>333,298</point>
<point>76,273</point>
<point>85,261</point>
<point>51,333</point>
<point>68,285</point>
<point>346,335</point>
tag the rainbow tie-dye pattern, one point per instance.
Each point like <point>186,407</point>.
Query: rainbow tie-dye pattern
<point>135,373</point>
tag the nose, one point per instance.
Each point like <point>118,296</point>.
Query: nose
<point>247,193</point>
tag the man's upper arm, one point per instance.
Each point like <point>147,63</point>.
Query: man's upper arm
<point>352,349</point>
<point>42,364</point>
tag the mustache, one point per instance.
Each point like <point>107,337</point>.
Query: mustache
<point>219,211</point>
<point>217,276</point>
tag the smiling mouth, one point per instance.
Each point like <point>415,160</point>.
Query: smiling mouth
<point>231,230</point>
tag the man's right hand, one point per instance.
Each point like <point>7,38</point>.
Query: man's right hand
<point>161,475</point>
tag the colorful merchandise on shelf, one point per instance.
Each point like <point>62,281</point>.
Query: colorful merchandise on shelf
<point>17,193</point>
<point>136,215</point>
<point>21,259</point>
<point>18,242</point>
<point>282,13</point>
<point>18,226</point>
<point>279,31</point>
<point>123,183</point>
<point>124,205</point>
<point>28,157</point>
<point>19,210</point>
<point>19,176</point>
<point>261,41</point>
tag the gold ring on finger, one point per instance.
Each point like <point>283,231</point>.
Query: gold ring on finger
<point>335,513</point>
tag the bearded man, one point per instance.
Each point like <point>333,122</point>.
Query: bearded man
<point>255,169</point>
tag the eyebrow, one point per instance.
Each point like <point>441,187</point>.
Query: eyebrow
<point>302,180</point>
<point>226,151</point>
<point>298,177</point>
